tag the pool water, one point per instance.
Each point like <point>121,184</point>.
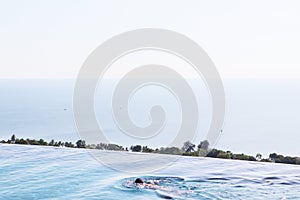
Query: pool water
<point>35,172</point>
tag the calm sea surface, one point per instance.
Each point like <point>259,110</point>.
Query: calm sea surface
<point>262,116</point>
<point>35,172</point>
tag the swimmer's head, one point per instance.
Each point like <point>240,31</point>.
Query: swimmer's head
<point>138,181</point>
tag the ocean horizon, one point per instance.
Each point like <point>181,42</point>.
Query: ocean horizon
<point>256,112</point>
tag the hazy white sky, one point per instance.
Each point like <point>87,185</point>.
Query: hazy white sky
<point>52,38</point>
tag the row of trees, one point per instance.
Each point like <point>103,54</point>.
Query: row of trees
<point>162,150</point>
<point>203,150</point>
<point>110,147</point>
<point>42,142</point>
<point>188,149</point>
<point>215,153</point>
<point>273,157</point>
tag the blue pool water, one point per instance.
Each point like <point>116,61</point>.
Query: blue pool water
<point>34,172</point>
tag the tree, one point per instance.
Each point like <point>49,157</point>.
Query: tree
<point>69,144</point>
<point>114,147</point>
<point>101,146</point>
<point>272,156</point>
<point>202,152</point>
<point>13,138</point>
<point>213,153</point>
<point>170,150</point>
<point>136,148</point>
<point>42,142</point>
<point>188,147</point>
<point>80,144</point>
<point>258,156</point>
<point>51,143</point>
<point>204,145</point>
<point>22,141</point>
<point>146,149</point>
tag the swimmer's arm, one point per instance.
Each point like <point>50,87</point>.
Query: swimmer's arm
<point>152,186</point>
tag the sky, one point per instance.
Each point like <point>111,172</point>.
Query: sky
<point>248,40</point>
<point>245,39</point>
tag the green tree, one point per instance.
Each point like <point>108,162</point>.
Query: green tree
<point>80,144</point>
<point>69,144</point>
<point>188,147</point>
<point>170,150</point>
<point>146,149</point>
<point>272,157</point>
<point>214,153</point>
<point>258,156</point>
<point>114,147</point>
<point>51,143</point>
<point>13,138</point>
<point>136,148</point>
<point>101,146</point>
<point>42,142</point>
<point>22,141</point>
<point>204,145</point>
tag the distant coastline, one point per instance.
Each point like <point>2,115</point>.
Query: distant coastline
<point>188,149</point>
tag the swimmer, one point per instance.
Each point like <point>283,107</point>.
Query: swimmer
<point>142,184</point>
<point>164,192</point>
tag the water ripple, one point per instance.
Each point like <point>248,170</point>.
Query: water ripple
<point>32,172</point>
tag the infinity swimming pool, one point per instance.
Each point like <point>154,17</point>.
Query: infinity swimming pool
<point>35,172</point>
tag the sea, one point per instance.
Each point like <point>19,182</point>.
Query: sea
<point>262,116</point>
